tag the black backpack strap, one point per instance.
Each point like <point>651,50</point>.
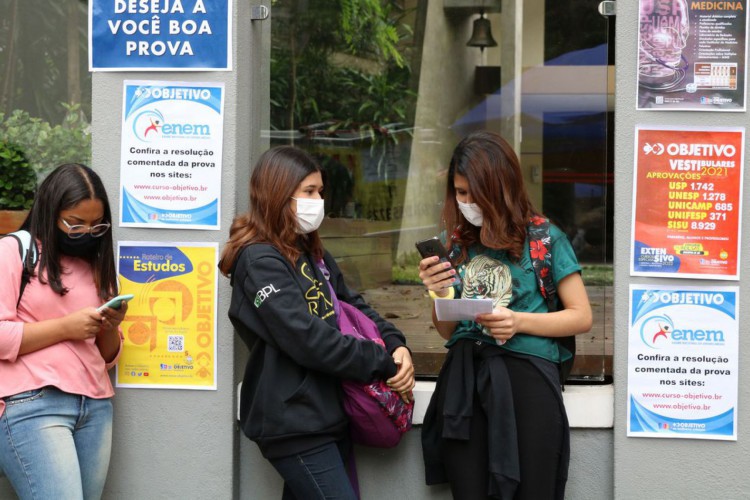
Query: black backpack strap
<point>541,261</point>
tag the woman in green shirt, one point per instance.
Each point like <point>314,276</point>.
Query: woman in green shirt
<point>496,426</point>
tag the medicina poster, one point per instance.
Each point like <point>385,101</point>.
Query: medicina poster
<point>170,326</point>
<point>171,154</point>
<point>687,202</point>
<point>692,55</point>
<point>683,362</point>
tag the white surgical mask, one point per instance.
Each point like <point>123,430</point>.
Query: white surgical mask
<point>310,214</point>
<point>472,212</point>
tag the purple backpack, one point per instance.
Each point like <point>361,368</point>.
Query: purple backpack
<point>377,415</point>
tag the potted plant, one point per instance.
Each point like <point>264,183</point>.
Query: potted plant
<point>45,145</point>
<point>17,187</point>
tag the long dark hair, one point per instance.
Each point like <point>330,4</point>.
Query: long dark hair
<point>65,187</point>
<point>275,178</point>
<point>496,185</point>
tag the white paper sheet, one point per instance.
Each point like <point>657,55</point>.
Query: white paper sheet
<point>461,309</point>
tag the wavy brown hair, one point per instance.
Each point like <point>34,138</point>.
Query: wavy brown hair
<point>496,185</point>
<point>270,219</point>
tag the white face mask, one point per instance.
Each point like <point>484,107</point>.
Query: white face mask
<point>472,212</point>
<point>310,214</point>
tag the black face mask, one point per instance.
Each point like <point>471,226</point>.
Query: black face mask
<point>84,247</point>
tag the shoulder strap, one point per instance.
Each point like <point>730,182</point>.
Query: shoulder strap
<point>541,260</point>
<point>327,273</point>
<point>29,255</point>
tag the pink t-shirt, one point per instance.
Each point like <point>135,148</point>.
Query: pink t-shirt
<point>73,366</point>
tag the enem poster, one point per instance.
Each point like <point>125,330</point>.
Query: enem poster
<point>170,327</point>
<point>683,362</point>
<point>171,154</point>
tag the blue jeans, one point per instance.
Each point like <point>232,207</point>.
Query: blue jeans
<point>56,445</point>
<point>319,473</point>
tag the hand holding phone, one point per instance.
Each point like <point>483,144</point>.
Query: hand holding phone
<point>432,247</point>
<point>116,302</point>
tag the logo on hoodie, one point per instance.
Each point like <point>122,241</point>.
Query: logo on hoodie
<point>264,293</point>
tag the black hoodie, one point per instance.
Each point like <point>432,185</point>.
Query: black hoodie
<point>291,391</point>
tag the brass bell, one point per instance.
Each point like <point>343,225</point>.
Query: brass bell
<point>481,34</point>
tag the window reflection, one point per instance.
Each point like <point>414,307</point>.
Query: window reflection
<point>384,125</point>
<point>45,86</point>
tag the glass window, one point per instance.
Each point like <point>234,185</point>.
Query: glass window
<point>45,86</point>
<point>380,93</point>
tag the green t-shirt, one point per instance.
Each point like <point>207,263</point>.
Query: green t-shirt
<point>491,274</point>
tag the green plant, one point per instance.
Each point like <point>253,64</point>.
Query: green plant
<point>45,145</point>
<point>406,270</point>
<point>17,179</point>
<point>597,274</point>
<point>343,61</point>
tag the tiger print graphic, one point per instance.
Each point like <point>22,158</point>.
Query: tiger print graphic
<point>487,278</point>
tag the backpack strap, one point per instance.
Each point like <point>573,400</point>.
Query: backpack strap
<point>541,261</point>
<point>29,255</point>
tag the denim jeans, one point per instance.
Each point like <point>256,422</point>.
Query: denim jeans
<point>56,445</point>
<point>315,474</point>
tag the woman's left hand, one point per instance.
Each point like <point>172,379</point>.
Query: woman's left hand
<point>111,318</point>
<point>403,381</point>
<point>501,323</point>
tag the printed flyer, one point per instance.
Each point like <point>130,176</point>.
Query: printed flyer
<point>171,155</point>
<point>170,325</point>
<point>692,55</point>
<point>683,362</point>
<point>160,35</point>
<point>687,202</point>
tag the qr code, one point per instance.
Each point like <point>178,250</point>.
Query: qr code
<point>175,343</point>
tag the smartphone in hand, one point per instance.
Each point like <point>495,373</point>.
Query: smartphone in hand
<point>431,247</point>
<point>116,302</point>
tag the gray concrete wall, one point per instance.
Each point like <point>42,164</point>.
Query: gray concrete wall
<point>182,443</point>
<point>399,472</point>
<point>665,468</point>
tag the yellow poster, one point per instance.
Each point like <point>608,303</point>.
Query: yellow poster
<point>170,325</point>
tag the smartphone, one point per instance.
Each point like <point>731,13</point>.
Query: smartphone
<point>431,247</point>
<point>116,302</point>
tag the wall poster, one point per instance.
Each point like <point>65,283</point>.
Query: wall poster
<point>170,326</point>
<point>692,55</point>
<point>171,154</point>
<point>683,362</point>
<point>687,202</point>
<point>160,35</point>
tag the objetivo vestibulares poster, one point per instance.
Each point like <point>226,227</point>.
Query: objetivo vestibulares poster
<point>687,202</point>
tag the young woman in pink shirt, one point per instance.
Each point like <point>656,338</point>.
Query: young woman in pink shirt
<point>55,347</point>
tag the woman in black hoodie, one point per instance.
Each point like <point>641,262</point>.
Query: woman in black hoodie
<point>291,401</point>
